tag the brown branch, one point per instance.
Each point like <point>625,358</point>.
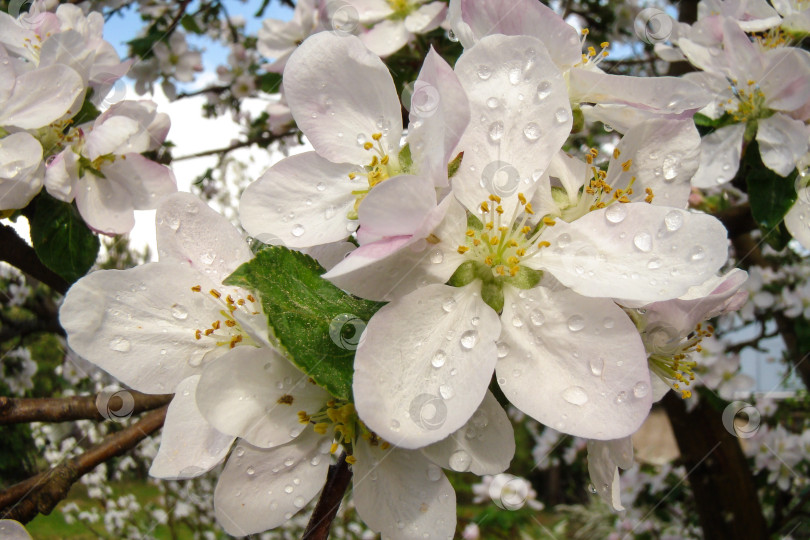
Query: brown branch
<point>210,89</point>
<point>181,11</point>
<point>41,493</point>
<point>21,410</point>
<point>264,139</point>
<point>326,509</point>
<point>15,251</point>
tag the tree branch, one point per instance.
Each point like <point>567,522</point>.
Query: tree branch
<point>332,495</point>
<point>21,410</point>
<point>264,139</point>
<point>41,493</point>
<point>15,251</point>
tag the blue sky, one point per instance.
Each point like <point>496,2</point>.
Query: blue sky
<point>122,28</point>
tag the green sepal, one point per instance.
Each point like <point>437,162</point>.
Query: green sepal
<point>270,83</point>
<point>88,112</point>
<point>314,323</point>
<point>405,159</point>
<point>464,274</point>
<point>474,223</point>
<point>770,196</point>
<point>492,295</point>
<point>61,239</point>
<point>579,120</point>
<point>453,166</point>
<point>526,278</point>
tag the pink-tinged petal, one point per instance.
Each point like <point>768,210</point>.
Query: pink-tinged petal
<point>105,206</point>
<point>797,220</point>
<point>484,445</point>
<point>21,170</point>
<point>261,489</point>
<point>117,135</point>
<point>665,95</point>
<point>15,38</point>
<point>743,57</point>
<point>329,255</point>
<point>68,48</point>
<point>439,114</point>
<point>275,208</point>
<point>782,142</point>
<point>785,79</point>
<point>9,528</point>
<point>428,17</point>
<point>189,446</point>
<point>139,324</point>
<point>192,234</point>
<point>398,206</point>
<point>573,363</point>
<point>571,173</point>
<point>480,18</point>
<point>401,494</point>
<point>664,155</point>
<point>604,460</point>
<point>386,37</point>
<point>720,153</point>
<point>145,180</point>
<point>389,268</point>
<point>370,11</point>
<point>255,393</point>
<point>62,175</point>
<point>423,367</point>
<point>339,92</point>
<point>636,251</point>
<point>520,117</point>
<point>34,103</point>
<point>716,85</point>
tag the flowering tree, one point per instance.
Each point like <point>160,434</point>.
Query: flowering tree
<point>504,241</point>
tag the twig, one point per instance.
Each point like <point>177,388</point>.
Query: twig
<point>325,510</point>
<point>264,139</point>
<point>41,493</point>
<point>16,252</point>
<point>21,410</point>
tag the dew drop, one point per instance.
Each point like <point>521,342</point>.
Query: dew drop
<point>561,115</point>
<point>289,462</point>
<point>597,366</point>
<point>643,241</point>
<point>564,240</point>
<point>493,103</point>
<point>460,461</point>
<point>517,322</point>
<point>320,186</point>
<point>484,72</point>
<point>299,501</point>
<point>239,451</point>
<point>575,395</point>
<point>616,213</point>
<point>439,358</point>
<point>673,220</point>
<point>621,397</point>
<point>449,304</point>
<point>537,317</point>
<point>434,473</point>
<point>576,323</point>
<point>297,230</point>
<point>641,389</point>
<point>496,131</point>
<point>515,75</point>
<point>469,339</point>
<point>503,349</point>
<point>179,312</point>
<point>697,253</point>
<point>446,391</point>
<point>608,322</point>
<point>394,425</point>
<point>250,471</point>
<point>288,489</point>
<point>120,344</point>
<point>543,90</point>
<point>531,131</point>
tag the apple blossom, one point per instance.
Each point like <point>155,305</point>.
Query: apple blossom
<point>278,39</point>
<point>392,24</point>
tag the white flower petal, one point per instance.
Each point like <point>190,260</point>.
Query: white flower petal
<point>386,37</point>
<point>782,141</point>
<point>797,220</point>
<point>484,445</point>
<point>720,153</point>
<point>428,17</point>
<point>398,206</point>
<point>9,528</point>
<point>191,233</point>
<point>338,90</point>
<point>261,489</point>
<point>33,103</point>
<point>105,205</point>
<point>255,393</point>
<point>514,133</point>
<point>139,324</point>
<point>402,495</point>
<point>274,208</point>
<point>21,172</point>
<point>604,458</point>
<point>576,364</point>
<point>423,366</point>
<point>145,180</point>
<point>189,446</point>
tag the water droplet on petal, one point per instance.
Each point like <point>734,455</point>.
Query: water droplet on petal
<point>250,471</point>
<point>495,131</point>
<point>503,349</point>
<point>394,425</point>
<point>643,241</point>
<point>288,489</point>
<point>561,115</point>
<point>621,397</point>
<point>515,75</point>
<point>120,344</point>
<point>439,358</point>
<point>460,461</point>
<point>641,389</point>
<point>179,312</point>
<point>320,186</point>
<point>297,230</point>
<point>239,451</point>
<point>616,213</point>
<point>673,220</point>
<point>575,395</point>
<point>436,256</point>
<point>449,304</point>
<point>543,90</point>
<point>597,366</point>
<point>697,253</point>
<point>493,103</point>
<point>299,502</point>
<point>446,391</point>
<point>484,72</point>
<point>434,473</point>
<point>531,131</point>
<point>469,339</point>
<point>576,323</point>
<point>537,317</point>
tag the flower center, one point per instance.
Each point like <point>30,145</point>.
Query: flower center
<point>341,417</point>
<point>750,102</point>
<point>381,167</point>
<point>226,331</point>
<point>590,56</point>
<point>670,354</point>
<point>402,8</point>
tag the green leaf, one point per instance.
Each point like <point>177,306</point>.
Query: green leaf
<point>770,196</point>
<point>405,159</point>
<point>269,82</point>
<point>88,112</point>
<point>61,239</point>
<point>190,25</point>
<point>314,322</point>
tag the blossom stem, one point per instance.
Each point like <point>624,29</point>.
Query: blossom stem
<point>19,254</point>
<point>19,410</point>
<point>337,481</point>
